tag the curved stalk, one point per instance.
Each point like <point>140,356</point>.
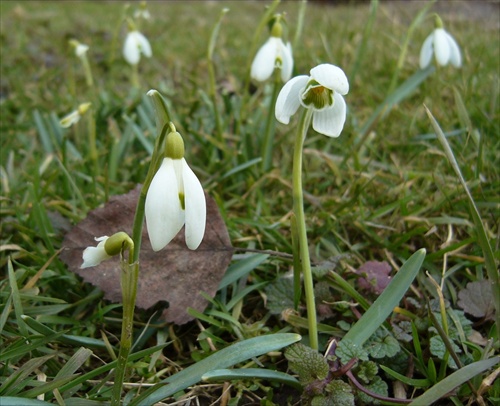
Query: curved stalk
<point>298,209</point>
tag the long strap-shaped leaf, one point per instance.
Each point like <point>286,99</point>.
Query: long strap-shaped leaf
<point>224,358</point>
<point>386,302</point>
<point>455,379</point>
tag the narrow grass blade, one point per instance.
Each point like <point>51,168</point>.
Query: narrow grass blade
<point>16,381</point>
<point>224,358</point>
<point>483,240</point>
<point>241,268</point>
<point>16,299</point>
<point>251,373</point>
<point>454,380</point>
<point>417,383</point>
<point>74,363</point>
<point>386,302</point>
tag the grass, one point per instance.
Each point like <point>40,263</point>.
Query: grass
<point>377,193</point>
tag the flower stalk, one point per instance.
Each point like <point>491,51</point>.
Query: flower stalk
<point>298,210</point>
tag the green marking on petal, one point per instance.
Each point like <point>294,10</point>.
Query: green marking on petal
<point>317,96</point>
<point>182,200</point>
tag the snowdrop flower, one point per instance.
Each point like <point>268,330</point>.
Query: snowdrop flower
<point>142,12</point>
<point>135,44</point>
<point>321,91</point>
<point>273,54</point>
<point>80,49</point>
<point>175,198</point>
<point>74,116</point>
<point>442,45</point>
<point>107,248</point>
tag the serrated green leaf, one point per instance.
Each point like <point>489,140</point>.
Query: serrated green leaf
<point>279,295</point>
<point>339,393</point>
<point>347,350</point>
<point>367,371</point>
<point>378,386</point>
<point>438,349</point>
<point>309,364</point>
<point>382,344</point>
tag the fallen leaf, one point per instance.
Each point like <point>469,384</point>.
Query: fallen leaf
<point>477,299</point>
<point>374,276</point>
<point>175,274</point>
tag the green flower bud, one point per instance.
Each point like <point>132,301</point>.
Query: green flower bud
<point>117,243</point>
<point>174,146</point>
<point>277,30</point>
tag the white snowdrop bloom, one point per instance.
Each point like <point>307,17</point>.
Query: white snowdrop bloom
<point>81,50</point>
<point>174,199</point>
<point>273,54</point>
<point>443,46</point>
<point>93,256</point>
<point>135,44</point>
<point>321,91</point>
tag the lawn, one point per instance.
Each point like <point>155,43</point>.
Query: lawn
<point>401,212</point>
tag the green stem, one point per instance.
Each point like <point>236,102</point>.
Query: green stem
<point>88,72</point>
<point>298,209</point>
<point>135,75</point>
<point>267,156</point>
<point>130,272</point>
<point>129,277</point>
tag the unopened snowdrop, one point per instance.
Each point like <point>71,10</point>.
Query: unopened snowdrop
<point>135,45</point>
<point>322,92</point>
<point>175,198</point>
<point>107,248</point>
<point>442,45</point>
<point>273,54</point>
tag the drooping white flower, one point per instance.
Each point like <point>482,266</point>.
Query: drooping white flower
<point>273,54</point>
<point>321,91</point>
<point>443,46</point>
<point>73,117</point>
<point>107,248</point>
<point>175,198</point>
<point>93,256</point>
<point>135,44</point>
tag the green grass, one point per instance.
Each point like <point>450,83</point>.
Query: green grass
<point>379,193</point>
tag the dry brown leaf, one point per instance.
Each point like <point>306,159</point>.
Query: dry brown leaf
<point>175,274</point>
<point>374,276</point>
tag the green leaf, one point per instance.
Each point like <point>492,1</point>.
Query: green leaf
<point>241,268</point>
<point>483,240</point>
<point>378,386</point>
<point>417,383</point>
<point>386,302</point>
<point>251,373</point>
<point>454,380</point>
<point>438,349</point>
<point>382,344</point>
<point>280,295</point>
<point>347,350</point>
<point>367,371</point>
<point>339,394</point>
<point>224,358</point>
<point>309,364</point>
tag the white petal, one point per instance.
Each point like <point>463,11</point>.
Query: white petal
<point>441,47</point>
<point>164,214</point>
<point>331,77</point>
<point>287,64</point>
<point>93,256</point>
<point>130,49</point>
<point>426,51</point>
<point>143,44</point>
<point>70,119</point>
<point>331,121</point>
<point>455,56</point>
<point>288,100</point>
<point>264,62</point>
<point>196,207</point>
<point>81,50</point>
